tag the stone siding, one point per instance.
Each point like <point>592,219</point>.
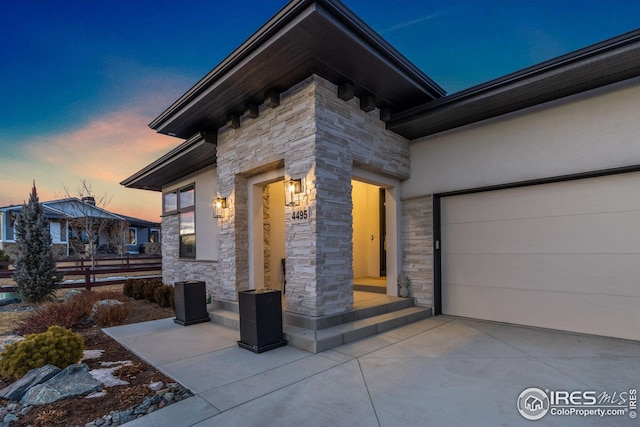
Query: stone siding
<point>283,134</point>
<point>175,269</point>
<point>59,250</point>
<point>318,138</point>
<point>417,247</point>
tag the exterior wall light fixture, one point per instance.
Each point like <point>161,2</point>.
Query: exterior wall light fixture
<point>293,189</point>
<point>219,207</point>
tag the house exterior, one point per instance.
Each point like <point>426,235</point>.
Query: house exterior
<point>62,214</point>
<point>516,201</point>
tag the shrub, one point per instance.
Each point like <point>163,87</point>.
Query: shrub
<point>138,289</point>
<point>46,315</point>
<point>83,302</point>
<point>111,315</point>
<point>58,346</point>
<point>164,296</point>
<point>4,258</point>
<point>149,287</point>
<point>127,288</point>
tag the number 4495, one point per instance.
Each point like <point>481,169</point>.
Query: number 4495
<point>300,214</point>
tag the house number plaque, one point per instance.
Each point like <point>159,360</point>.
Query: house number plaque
<point>300,215</point>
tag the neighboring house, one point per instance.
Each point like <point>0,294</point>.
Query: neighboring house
<point>61,214</point>
<point>517,200</point>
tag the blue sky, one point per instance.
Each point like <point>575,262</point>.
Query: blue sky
<point>81,79</point>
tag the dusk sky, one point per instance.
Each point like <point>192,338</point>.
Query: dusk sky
<point>81,79</point>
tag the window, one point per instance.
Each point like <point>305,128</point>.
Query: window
<point>154,235</point>
<point>54,229</point>
<point>170,202</point>
<point>132,236</point>
<point>182,202</point>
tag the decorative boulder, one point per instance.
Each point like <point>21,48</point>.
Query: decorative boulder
<point>34,377</point>
<point>74,380</point>
<point>104,303</point>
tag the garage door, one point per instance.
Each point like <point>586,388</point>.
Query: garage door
<point>563,255</point>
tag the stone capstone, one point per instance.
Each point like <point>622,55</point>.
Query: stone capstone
<point>34,377</point>
<point>74,380</point>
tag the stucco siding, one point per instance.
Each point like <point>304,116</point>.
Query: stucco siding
<point>595,130</point>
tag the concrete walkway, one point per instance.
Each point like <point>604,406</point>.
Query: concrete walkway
<point>440,371</point>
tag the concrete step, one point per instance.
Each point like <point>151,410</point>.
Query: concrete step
<point>230,319</point>
<point>323,322</point>
<point>324,339</point>
<point>370,288</point>
<point>315,334</point>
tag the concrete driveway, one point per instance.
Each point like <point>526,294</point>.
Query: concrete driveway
<point>440,371</point>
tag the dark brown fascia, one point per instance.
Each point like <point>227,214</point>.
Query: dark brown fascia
<point>293,12</point>
<point>595,66</point>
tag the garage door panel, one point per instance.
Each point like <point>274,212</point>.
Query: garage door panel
<point>617,232</point>
<point>614,193</point>
<point>562,255</point>
<point>578,313</point>
<point>577,273</point>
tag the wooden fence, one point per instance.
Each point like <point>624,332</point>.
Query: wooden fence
<point>108,271</point>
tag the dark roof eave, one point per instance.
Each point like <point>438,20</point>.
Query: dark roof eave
<point>163,170</point>
<point>291,15</point>
<point>595,66</point>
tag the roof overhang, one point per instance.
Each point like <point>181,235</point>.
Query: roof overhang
<point>306,37</point>
<point>194,154</point>
<point>602,64</point>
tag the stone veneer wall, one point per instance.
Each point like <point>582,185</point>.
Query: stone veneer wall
<point>320,138</point>
<point>417,247</point>
<point>175,269</point>
<point>278,135</point>
<point>346,137</point>
<point>59,250</point>
<point>266,234</point>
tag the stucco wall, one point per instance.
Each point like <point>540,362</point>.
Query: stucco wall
<point>588,132</point>
<point>592,131</point>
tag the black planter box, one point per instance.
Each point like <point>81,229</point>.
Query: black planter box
<point>190,302</point>
<point>260,320</point>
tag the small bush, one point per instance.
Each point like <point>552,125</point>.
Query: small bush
<point>149,288</point>
<point>58,346</point>
<point>83,302</point>
<point>46,315</point>
<point>127,288</point>
<point>4,258</point>
<point>138,289</point>
<point>111,315</point>
<point>164,296</point>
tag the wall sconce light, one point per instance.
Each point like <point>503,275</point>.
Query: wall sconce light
<point>292,191</point>
<point>219,207</point>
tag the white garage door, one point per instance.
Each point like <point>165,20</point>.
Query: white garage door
<point>563,255</point>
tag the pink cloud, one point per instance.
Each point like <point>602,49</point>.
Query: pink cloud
<point>103,152</point>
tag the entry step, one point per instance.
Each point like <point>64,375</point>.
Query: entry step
<point>324,339</point>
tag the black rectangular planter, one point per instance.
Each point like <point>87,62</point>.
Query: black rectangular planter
<point>190,302</point>
<point>260,320</point>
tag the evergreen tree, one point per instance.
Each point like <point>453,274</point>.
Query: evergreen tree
<point>36,276</point>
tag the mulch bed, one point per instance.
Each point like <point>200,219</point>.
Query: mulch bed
<point>79,411</point>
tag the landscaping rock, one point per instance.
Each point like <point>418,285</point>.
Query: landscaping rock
<point>34,377</point>
<point>67,296</point>
<point>9,418</point>
<point>74,380</point>
<point>104,303</point>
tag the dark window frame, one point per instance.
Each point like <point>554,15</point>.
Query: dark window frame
<point>187,241</point>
